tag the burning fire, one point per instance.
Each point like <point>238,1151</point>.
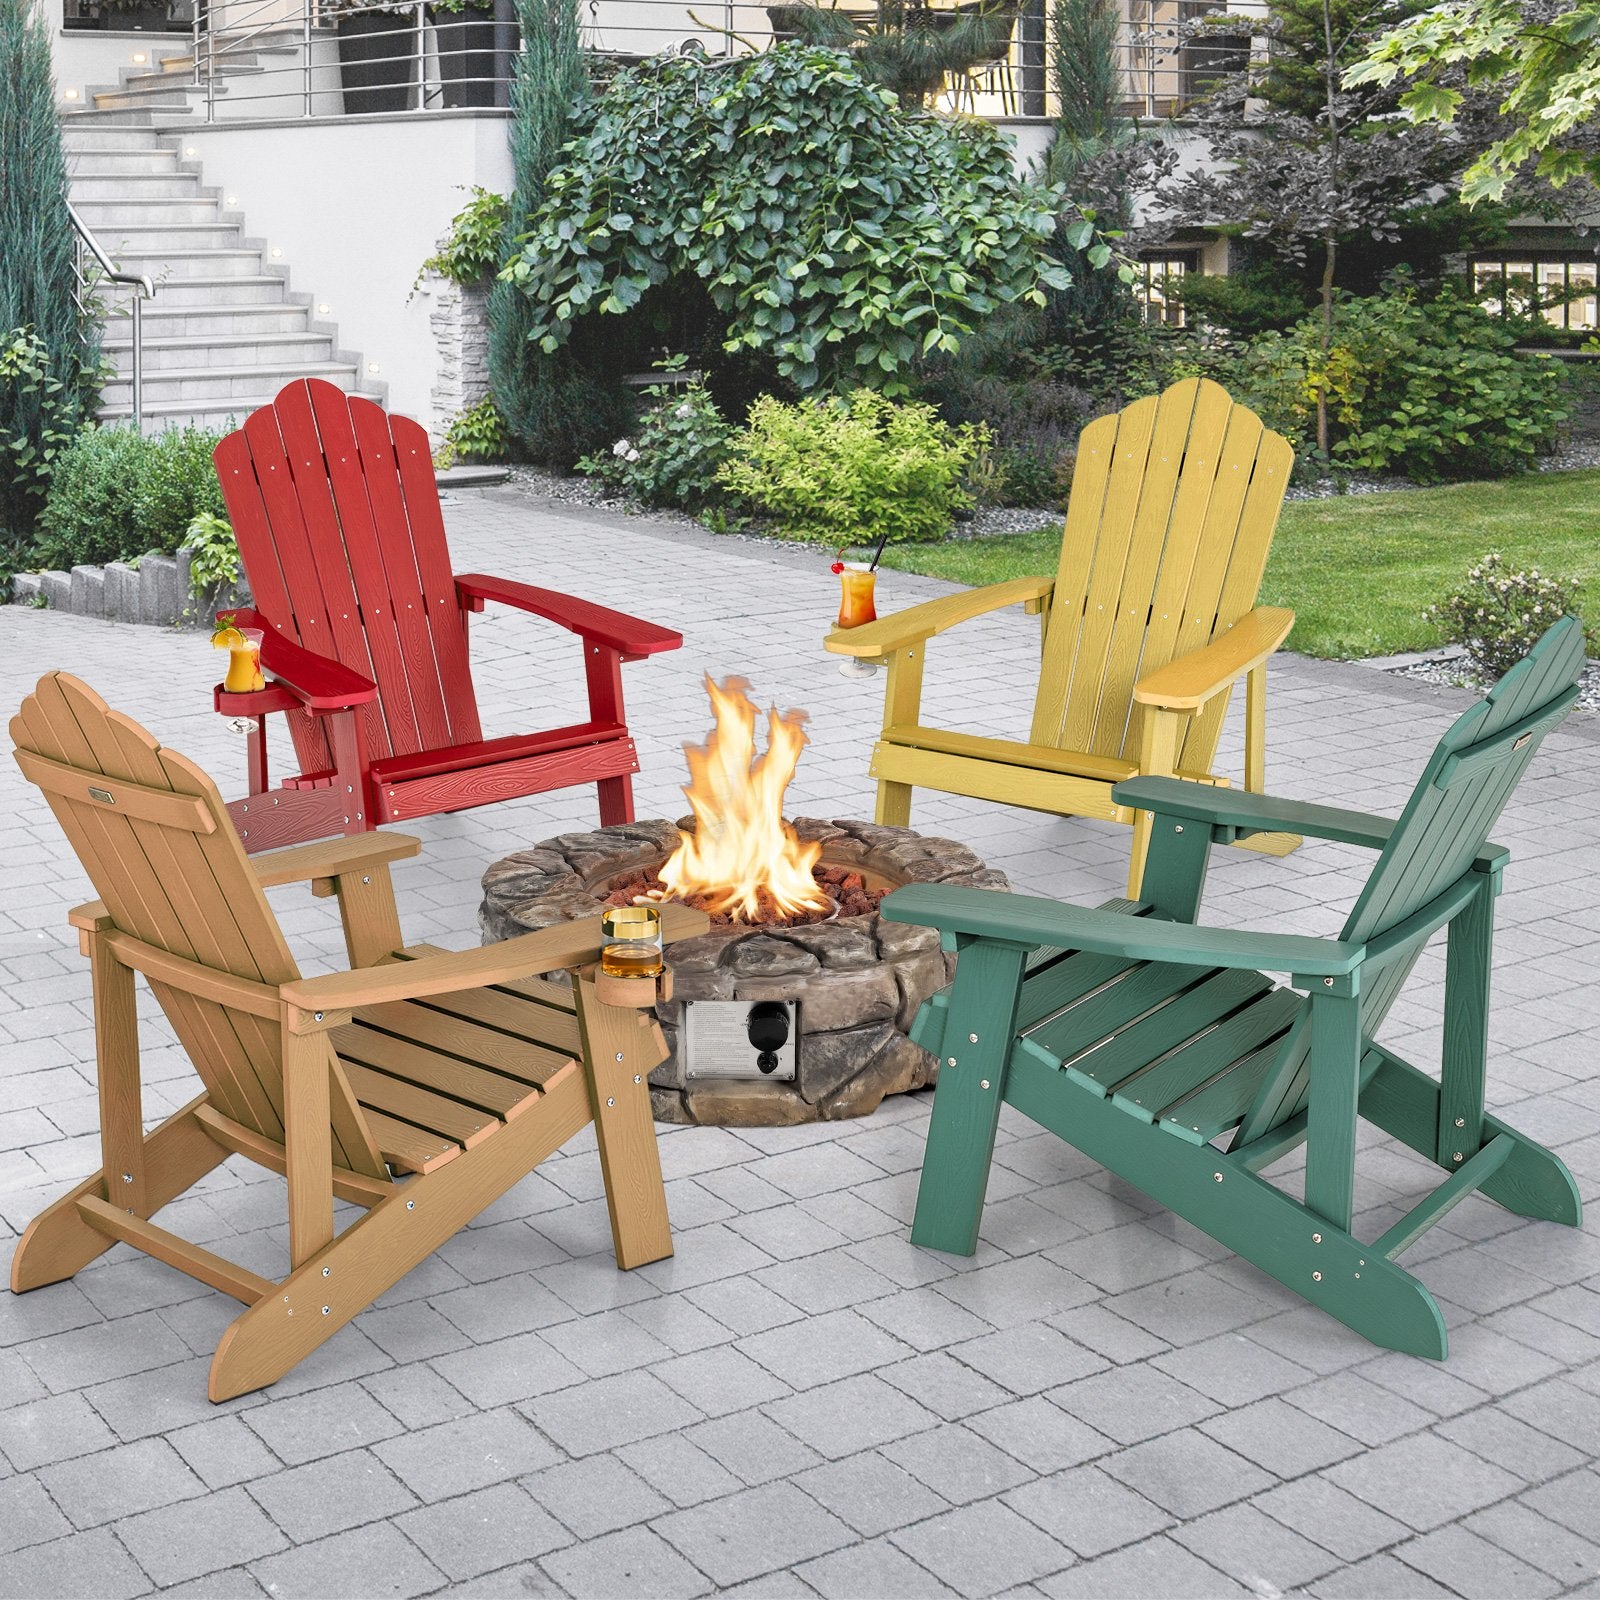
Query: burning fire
<point>743,859</point>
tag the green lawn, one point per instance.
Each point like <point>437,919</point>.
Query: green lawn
<point>1358,570</point>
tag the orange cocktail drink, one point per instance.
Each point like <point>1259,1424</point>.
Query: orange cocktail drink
<point>244,658</point>
<point>856,584</point>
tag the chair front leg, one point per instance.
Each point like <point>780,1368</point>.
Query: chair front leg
<point>1158,758</point>
<point>966,1104</point>
<point>307,1143</point>
<point>1334,1096</point>
<point>602,671</point>
<point>1255,763</point>
<point>619,1055</point>
<point>902,705</point>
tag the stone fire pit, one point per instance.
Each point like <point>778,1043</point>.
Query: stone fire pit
<point>858,980</point>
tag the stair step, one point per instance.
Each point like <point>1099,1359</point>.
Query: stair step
<point>219,417</point>
<point>172,98</point>
<point>129,163</point>
<point>165,265</point>
<point>205,290</point>
<point>89,133</point>
<point>219,386</point>
<point>130,186</point>
<point>166,323</point>
<point>134,213</point>
<point>165,82</point>
<point>224,353</point>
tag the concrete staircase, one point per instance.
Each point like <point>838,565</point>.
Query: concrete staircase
<point>237,61</point>
<point>223,333</point>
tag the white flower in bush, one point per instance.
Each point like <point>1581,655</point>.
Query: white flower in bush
<point>621,450</point>
<point>1500,616</point>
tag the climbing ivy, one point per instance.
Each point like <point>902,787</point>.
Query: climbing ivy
<point>834,232</point>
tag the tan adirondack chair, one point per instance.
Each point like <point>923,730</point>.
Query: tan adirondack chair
<point>1148,624</point>
<point>457,1068</point>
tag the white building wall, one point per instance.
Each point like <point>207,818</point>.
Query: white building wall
<point>353,207</point>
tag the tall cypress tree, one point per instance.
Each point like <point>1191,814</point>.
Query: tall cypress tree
<point>553,405</point>
<point>49,350</point>
<point>1092,156</point>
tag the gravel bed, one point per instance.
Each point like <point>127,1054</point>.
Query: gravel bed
<point>988,523</point>
<point>1452,671</point>
<point>1578,456</point>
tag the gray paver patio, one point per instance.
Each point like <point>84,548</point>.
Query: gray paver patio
<point>1100,1403</point>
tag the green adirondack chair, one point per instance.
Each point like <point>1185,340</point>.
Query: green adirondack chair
<point>1144,1039</point>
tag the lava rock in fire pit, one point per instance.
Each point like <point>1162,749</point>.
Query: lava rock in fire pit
<point>859,980</point>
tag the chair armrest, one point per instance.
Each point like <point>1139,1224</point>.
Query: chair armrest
<point>319,683</point>
<point>1187,683</point>
<point>614,629</point>
<point>1031,922</point>
<point>916,623</point>
<point>316,1004</point>
<point>1235,811</point>
<point>327,858</point>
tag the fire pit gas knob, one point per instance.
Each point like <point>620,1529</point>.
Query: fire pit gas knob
<point>768,1030</point>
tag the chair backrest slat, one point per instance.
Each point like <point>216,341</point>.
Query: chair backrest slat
<point>343,542</point>
<point>1437,838</point>
<point>1443,828</point>
<point>183,885</point>
<point>1174,502</point>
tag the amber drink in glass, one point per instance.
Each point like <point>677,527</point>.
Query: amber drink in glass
<point>856,584</point>
<point>631,942</point>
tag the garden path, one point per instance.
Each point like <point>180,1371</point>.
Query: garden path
<point>1100,1402</point>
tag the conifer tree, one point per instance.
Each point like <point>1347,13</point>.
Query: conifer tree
<point>553,406</point>
<point>49,349</point>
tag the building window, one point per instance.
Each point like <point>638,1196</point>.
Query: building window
<point>1561,289</point>
<point>1159,285</point>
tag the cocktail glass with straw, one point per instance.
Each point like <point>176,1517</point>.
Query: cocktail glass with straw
<point>857,586</point>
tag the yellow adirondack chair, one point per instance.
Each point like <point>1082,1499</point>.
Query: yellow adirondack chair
<point>1148,624</point>
<point>456,1067</point>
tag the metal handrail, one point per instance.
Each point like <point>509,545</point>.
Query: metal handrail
<point>111,273</point>
<point>1157,53</point>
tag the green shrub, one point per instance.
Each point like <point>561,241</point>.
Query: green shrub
<point>177,483</point>
<point>1244,304</point>
<point>1432,389</point>
<point>478,434</point>
<point>470,249</point>
<point>89,515</point>
<point>834,233</point>
<point>674,455</point>
<point>115,494</point>
<point>1499,613</point>
<point>28,455</point>
<point>213,553</point>
<point>847,471</point>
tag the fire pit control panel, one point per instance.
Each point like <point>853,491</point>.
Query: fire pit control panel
<point>740,1039</point>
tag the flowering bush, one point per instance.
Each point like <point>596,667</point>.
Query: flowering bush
<point>673,457</point>
<point>1500,613</point>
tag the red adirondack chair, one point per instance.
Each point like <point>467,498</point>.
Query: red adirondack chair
<point>337,515</point>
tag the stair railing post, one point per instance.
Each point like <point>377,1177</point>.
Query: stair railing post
<point>305,45</point>
<point>194,49</point>
<point>138,361</point>
<point>211,73</point>
<point>422,57</point>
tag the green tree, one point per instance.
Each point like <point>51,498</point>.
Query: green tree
<point>556,404</point>
<point>49,347</point>
<point>1541,61</point>
<point>835,234</point>
<point>1098,160</point>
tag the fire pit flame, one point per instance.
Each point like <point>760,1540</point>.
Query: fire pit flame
<point>744,860</point>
